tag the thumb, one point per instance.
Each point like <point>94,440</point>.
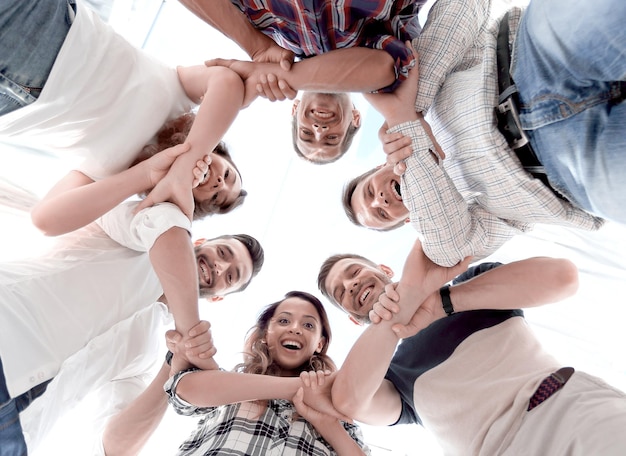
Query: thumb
<point>173,336</point>
<point>298,396</point>
<point>286,59</point>
<point>146,202</point>
<point>404,331</point>
<point>178,150</point>
<point>216,62</point>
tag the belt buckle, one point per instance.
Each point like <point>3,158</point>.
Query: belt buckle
<point>517,137</point>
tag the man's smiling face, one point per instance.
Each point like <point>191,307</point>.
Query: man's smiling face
<point>355,285</point>
<point>224,266</point>
<point>377,200</point>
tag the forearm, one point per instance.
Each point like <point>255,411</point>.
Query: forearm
<point>220,92</point>
<point>214,388</point>
<point>174,262</point>
<point>434,202</point>
<point>227,19</point>
<point>354,69</point>
<point>77,200</point>
<point>128,431</point>
<point>522,284</point>
<point>362,374</point>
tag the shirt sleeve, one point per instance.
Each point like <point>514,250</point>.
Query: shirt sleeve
<point>450,227</point>
<point>114,366</point>
<point>140,231</point>
<point>452,28</point>
<point>391,37</point>
<point>181,406</point>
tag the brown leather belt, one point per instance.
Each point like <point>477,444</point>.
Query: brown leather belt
<point>550,385</point>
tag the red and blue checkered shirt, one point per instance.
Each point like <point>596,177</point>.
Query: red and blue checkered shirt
<point>312,27</point>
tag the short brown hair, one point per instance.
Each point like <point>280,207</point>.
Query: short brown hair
<point>346,201</point>
<point>327,265</point>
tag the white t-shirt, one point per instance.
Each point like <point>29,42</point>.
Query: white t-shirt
<point>115,366</point>
<point>104,100</point>
<point>52,305</point>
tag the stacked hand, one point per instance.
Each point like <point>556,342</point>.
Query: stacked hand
<point>313,400</point>
<point>196,349</point>
<point>414,298</point>
<point>260,79</point>
<point>175,184</point>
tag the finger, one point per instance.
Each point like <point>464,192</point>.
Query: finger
<point>266,90</point>
<point>394,137</point>
<point>287,90</point>
<point>201,327</point>
<point>306,381</point>
<point>382,312</point>
<point>146,202</point>
<point>399,169</point>
<point>374,317</point>
<point>286,60</point>
<point>298,397</point>
<point>387,307</point>
<point>173,336</point>
<point>272,82</point>
<point>321,377</point>
<point>392,292</point>
<point>204,352</point>
<point>217,62</point>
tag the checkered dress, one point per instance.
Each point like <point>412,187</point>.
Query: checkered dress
<point>252,428</point>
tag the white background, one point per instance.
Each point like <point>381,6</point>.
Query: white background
<point>294,209</point>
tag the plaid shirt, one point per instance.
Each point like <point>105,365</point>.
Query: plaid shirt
<point>252,428</point>
<point>312,27</point>
<point>480,195</point>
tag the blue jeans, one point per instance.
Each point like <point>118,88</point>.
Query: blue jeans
<point>11,437</point>
<point>31,35</point>
<point>570,68</point>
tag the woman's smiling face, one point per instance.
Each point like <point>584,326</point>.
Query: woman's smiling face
<point>294,333</point>
<point>222,185</point>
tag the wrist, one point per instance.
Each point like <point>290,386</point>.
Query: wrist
<point>402,117</point>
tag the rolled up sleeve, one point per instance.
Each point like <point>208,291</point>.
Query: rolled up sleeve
<point>140,231</point>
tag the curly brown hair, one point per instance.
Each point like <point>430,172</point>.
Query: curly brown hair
<point>257,356</point>
<point>175,132</point>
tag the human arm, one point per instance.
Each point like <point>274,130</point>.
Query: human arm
<point>77,200</point>
<point>128,431</point>
<point>225,17</point>
<point>451,29</point>
<point>220,93</point>
<point>521,284</point>
<point>360,389</point>
<point>330,428</point>
<point>354,69</point>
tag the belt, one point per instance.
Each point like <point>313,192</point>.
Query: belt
<point>550,385</point>
<point>507,111</point>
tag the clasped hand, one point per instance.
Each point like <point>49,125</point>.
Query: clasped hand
<point>313,399</point>
<point>195,349</point>
<point>260,79</point>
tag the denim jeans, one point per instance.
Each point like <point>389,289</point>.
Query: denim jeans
<point>31,35</point>
<point>570,67</point>
<point>11,437</point>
